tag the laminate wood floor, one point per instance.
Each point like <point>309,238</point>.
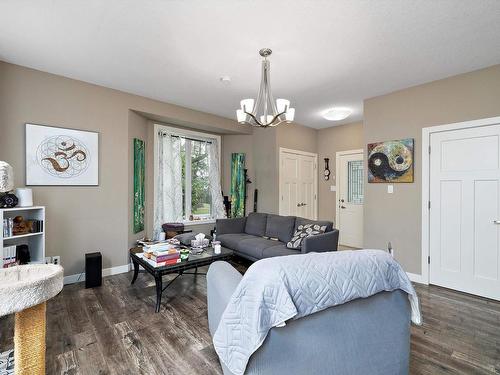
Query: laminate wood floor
<point>114,330</point>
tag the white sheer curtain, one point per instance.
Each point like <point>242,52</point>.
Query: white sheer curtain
<point>218,210</point>
<point>168,207</point>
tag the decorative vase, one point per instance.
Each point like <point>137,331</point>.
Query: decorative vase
<point>6,177</point>
<point>25,197</point>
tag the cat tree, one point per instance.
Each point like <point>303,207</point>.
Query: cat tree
<point>24,291</point>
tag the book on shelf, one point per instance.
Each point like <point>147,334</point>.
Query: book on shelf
<point>11,228</point>
<point>8,258</point>
<point>8,226</point>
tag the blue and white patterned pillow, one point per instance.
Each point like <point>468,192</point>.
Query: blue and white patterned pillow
<point>303,231</point>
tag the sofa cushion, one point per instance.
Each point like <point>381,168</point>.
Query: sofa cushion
<point>256,224</point>
<point>278,250</point>
<point>231,240</point>
<point>303,231</point>
<point>303,221</point>
<point>254,246</point>
<point>280,227</point>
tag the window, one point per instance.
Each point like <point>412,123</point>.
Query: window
<point>187,177</point>
<point>195,177</point>
<point>355,182</point>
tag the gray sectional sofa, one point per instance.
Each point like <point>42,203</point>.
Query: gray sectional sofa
<point>261,235</point>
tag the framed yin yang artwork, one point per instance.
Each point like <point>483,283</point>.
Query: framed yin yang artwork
<point>60,156</point>
<point>391,161</point>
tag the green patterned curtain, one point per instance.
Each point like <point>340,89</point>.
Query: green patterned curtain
<point>139,191</point>
<point>237,185</point>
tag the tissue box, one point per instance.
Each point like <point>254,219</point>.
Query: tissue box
<point>200,243</point>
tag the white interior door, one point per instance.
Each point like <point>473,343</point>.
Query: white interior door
<point>464,210</point>
<point>290,182</point>
<point>350,189</point>
<point>307,192</point>
<point>298,184</point>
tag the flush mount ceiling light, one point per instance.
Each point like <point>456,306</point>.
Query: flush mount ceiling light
<point>264,111</point>
<point>337,114</point>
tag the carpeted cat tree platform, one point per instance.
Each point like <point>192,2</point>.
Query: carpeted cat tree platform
<point>24,291</point>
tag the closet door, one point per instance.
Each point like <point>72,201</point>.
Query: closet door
<point>465,210</point>
<point>298,184</point>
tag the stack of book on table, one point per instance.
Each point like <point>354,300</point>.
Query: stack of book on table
<point>162,254</point>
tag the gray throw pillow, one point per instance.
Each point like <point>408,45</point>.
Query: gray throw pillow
<point>303,231</point>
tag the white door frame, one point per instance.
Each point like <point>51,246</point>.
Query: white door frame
<point>426,136</point>
<point>305,153</point>
<point>337,177</point>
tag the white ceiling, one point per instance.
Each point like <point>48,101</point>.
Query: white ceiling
<point>326,53</point>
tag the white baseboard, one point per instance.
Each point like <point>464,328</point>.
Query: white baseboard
<point>71,279</point>
<point>416,278</point>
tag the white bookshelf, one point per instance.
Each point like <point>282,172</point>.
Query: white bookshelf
<point>35,241</point>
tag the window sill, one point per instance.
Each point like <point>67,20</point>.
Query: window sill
<point>189,223</point>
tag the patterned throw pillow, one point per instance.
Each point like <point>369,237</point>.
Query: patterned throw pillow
<point>303,231</point>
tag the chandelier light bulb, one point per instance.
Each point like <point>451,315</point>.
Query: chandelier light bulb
<point>290,115</point>
<point>282,105</point>
<point>247,105</point>
<point>241,116</point>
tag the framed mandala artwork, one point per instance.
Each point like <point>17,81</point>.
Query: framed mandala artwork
<point>59,156</point>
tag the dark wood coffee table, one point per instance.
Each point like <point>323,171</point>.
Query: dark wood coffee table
<point>207,257</point>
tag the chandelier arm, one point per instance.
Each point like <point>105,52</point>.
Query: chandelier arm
<point>278,123</point>
<point>269,124</point>
<point>276,117</point>
<point>254,118</point>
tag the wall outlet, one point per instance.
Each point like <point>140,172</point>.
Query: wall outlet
<point>390,189</point>
<point>48,260</point>
<point>56,260</point>
<point>333,188</point>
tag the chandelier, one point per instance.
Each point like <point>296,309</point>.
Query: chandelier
<point>264,111</point>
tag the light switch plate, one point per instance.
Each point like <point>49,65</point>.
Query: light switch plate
<point>333,188</point>
<point>390,189</point>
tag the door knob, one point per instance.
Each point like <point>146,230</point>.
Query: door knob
<point>342,207</point>
<point>496,221</point>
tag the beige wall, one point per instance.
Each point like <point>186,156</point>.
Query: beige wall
<point>397,217</point>
<point>297,137</point>
<point>86,219</point>
<point>331,140</point>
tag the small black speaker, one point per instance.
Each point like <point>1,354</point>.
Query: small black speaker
<point>93,270</point>
<point>23,254</point>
